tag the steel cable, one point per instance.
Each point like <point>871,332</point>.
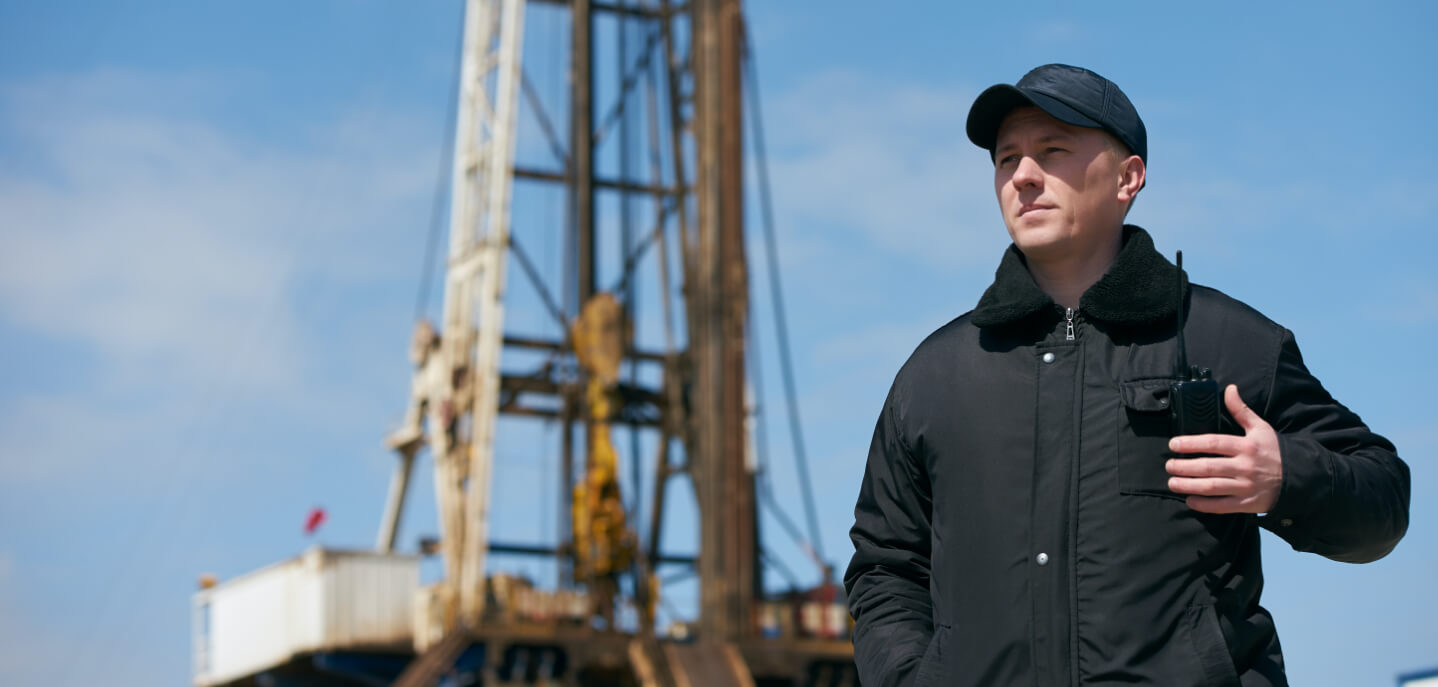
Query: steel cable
<point>446,162</point>
<point>776,294</point>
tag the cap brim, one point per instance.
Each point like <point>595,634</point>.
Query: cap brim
<point>990,108</point>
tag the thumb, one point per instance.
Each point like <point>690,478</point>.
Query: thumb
<point>1246,418</point>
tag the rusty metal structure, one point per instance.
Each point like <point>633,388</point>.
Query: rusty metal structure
<point>686,82</point>
<point>693,55</point>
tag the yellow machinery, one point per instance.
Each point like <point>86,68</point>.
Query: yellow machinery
<point>603,544</point>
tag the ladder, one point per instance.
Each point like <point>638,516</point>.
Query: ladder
<point>473,325</point>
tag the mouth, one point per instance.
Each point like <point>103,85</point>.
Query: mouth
<point>1026,208</point>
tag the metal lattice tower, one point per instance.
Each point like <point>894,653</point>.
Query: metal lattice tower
<point>691,54</point>
<point>479,242</point>
<point>682,396</point>
<point>461,380</point>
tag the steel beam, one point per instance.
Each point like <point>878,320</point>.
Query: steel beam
<point>532,174</point>
<point>559,347</point>
<point>631,11</point>
<point>394,504</point>
<point>718,321</point>
<point>539,550</point>
<point>581,142</point>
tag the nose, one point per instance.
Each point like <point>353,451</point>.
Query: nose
<point>1027,174</point>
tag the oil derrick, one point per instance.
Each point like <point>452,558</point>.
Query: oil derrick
<point>684,79</point>
<point>693,56</point>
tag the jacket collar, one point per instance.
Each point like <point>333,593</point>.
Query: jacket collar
<point>1137,289</point>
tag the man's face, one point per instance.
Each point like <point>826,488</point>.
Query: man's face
<point>1058,186</point>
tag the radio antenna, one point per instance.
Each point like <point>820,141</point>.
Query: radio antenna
<point>1181,361</point>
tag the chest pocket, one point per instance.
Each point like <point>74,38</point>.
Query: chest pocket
<point>1143,433</point>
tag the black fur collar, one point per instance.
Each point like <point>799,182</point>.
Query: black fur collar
<point>1136,290</point>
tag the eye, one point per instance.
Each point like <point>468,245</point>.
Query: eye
<point>1008,160</point>
<point>1054,149</point>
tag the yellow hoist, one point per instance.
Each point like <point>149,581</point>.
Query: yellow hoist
<point>603,544</point>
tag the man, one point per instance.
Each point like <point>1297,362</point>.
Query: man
<point>1026,516</point>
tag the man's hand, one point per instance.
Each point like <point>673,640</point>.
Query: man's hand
<point>1245,474</point>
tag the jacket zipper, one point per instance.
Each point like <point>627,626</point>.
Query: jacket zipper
<point>1069,315</point>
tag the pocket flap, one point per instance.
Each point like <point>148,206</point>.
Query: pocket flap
<point>1145,395</point>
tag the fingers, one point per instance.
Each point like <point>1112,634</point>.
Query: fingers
<point>1216,444</point>
<point>1222,476</point>
<point>1237,474</point>
<point>1242,414</point>
<point>1204,467</point>
<point>1205,486</point>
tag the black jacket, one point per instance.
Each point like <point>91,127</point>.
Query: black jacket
<point>1014,525</point>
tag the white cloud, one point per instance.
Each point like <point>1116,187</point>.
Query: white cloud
<point>192,269</point>
<point>19,649</point>
<point>886,162</point>
<point>171,246</point>
<point>190,285</point>
<point>888,229</point>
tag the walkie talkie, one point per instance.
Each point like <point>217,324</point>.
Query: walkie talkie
<point>1194,402</point>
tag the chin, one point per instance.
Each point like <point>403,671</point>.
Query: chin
<point>1039,238</point>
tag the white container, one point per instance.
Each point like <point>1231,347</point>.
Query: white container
<point>322,600</point>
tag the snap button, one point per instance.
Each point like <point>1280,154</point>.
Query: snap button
<point>1042,559</point>
<point>1286,522</point>
<point>1048,357</point>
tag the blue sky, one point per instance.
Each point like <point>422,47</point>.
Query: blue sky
<point>212,218</point>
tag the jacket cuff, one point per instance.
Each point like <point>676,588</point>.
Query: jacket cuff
<point>1306,491</point>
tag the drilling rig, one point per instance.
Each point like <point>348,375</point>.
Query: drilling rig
<point>681,75</point>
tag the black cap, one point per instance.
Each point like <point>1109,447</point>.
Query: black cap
<point>1072,95</point>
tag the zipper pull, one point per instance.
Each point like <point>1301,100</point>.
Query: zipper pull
<point>1069,315</point>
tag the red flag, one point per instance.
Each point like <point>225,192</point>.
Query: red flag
<point>315,519</point>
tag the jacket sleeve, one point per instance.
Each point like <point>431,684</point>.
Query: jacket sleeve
<point>888,578</point>
<point>1345,490</point>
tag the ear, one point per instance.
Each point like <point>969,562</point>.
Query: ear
<point>1131,176</point>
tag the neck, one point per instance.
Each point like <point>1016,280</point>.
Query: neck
<point>1066,277</point>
